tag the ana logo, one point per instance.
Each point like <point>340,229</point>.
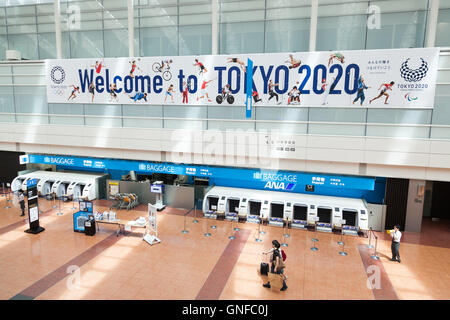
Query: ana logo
<point>279,186</point>
<point>58,75</point>
<point>409,98</point>
<point>414,75</point>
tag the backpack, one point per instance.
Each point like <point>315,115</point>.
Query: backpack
<point>283,254</point>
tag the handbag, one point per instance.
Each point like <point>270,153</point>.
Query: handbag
<point>276,280</point>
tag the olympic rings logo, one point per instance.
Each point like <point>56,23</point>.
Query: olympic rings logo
<point>58,92</point>
<point>58,75</point>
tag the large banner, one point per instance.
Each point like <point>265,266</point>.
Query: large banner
<point>381,78</point>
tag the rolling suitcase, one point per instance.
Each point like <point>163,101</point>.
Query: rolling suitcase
<point>89,226</point>
<point>264,268</point>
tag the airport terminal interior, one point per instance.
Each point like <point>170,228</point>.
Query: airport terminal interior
<point>202,149</point>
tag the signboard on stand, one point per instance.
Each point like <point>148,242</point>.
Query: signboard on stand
<point>86,209</point>
<point>151,235</point>
<point>33,210</point>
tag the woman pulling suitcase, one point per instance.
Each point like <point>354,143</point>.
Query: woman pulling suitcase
<point>277,264</point>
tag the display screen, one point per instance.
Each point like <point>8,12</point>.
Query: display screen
<point>34,213</point>
<point>156,188</point>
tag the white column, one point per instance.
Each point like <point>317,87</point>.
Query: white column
<point>432,23</point>
<point>214,26</point>
<point>57,12</point>
<point>131,28</point>
<point>414,207</point>
<point>313,25</point>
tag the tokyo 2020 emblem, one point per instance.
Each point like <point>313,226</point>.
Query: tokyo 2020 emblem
<point>58,75</point>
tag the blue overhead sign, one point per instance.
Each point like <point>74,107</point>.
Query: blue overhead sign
<point>250,178</point>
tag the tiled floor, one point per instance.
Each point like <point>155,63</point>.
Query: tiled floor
<point>192,266</point>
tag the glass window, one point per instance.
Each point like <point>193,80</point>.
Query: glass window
<point>402,25</point>
<point>242,37</point>
<point>195,40</point>
<point>287,35</point>
<point>443,27</point>
<point>341,26</point>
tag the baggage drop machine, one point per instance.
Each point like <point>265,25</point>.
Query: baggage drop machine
<point>210,206</point>
<point>350,225</point>
<point>276,216</point>
<point>254,215</point>
<point>300,216</point>
<point>232,209</point>
<point>324,219</point>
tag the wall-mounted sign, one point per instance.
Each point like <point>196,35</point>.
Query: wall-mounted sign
<point>335,78</point>
<point>250,178</point>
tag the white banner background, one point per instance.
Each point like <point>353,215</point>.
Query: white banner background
<point>377,67</point>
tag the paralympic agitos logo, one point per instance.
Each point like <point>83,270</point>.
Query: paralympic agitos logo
<point>413,75</point>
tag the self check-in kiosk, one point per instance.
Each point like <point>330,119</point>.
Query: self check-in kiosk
<point>75,190</point>
<point>44,187</point>
<point>59,182</point>
<point>59,188</point>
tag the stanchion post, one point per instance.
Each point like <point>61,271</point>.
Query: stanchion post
<point>375,255</point>
<point>342,238</point>
<point>54,200</point>
<point>370,238</point>
<point>262,231</point>
<point>286,234</point>
<point>8,193</point>
<point>7,200</point>
<point>59,213</point>
<point>258,239</point>
<point>214,226</point>
<point>314,240</point>
<point>236,228</point>
<point>232,237</point>
<point>195,215</point>
<point>207,234</point>
<point>284,244</point>
<point>184,231</point>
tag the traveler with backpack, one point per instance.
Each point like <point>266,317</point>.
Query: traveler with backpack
<point>277,263</point>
